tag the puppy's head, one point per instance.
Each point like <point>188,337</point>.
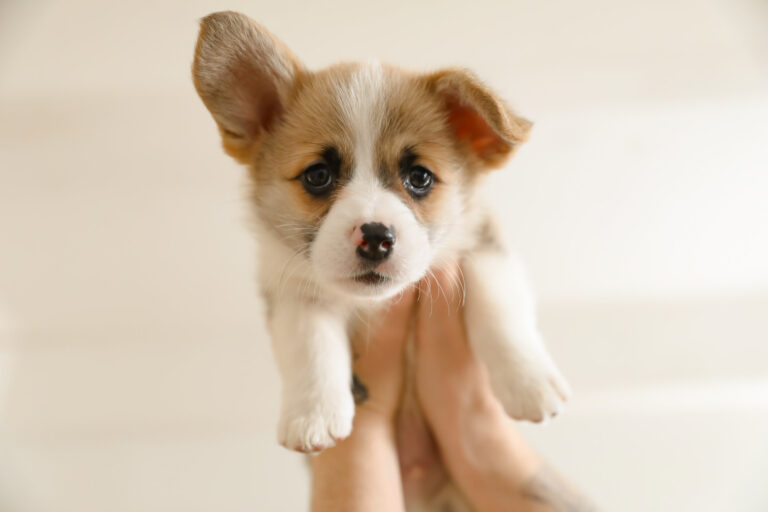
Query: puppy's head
<point>363,169</point>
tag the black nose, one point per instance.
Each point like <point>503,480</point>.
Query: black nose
<point>377,242</point>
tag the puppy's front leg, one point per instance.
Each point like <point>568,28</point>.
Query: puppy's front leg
<point>312,351</point>
<point>501,325</point>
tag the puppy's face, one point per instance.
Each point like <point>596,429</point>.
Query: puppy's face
<point>362,169</point>
<point>362,177</point>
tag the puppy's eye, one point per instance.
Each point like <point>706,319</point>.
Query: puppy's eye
<point>317,179</point>
<point>419,181</point>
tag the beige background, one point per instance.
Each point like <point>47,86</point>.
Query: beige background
<point>134,370</point>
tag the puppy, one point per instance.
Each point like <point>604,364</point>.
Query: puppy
<point>365,177</point>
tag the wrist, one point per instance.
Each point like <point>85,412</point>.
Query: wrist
<point>378,419</point>
<point>361,472</point>
<point>463,427</point>
<point>493,463</point>
<point>477,439</point>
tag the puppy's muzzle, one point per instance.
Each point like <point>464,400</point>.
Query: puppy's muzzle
<point>376,243</point>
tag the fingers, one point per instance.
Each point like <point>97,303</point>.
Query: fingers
<point>384,338</point>
<point>379,357</point>
<point>395,322</point>
<point>439,323</point>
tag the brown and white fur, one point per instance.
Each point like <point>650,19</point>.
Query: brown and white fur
<point>369,125</point>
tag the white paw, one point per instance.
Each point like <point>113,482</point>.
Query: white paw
<point>312,426</point>
<point>532,389</point>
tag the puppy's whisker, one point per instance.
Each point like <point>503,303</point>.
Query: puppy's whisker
<point>283,279</point>
<point>364,323</point>
<point>462,283</point>
<point>430,277</point>
<point>457,280</point>
<point>441,292</point>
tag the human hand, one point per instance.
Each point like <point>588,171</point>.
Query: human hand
<point>452,386</point>
<point>480,446</point>
<point>379,358</point>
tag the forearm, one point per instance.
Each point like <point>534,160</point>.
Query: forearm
<point>494,465</point>
<point>361,472</point>
<point>547,491</point>
<point>502,473</point>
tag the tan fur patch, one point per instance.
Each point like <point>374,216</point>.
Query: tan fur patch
<point>243,74</point>
<point>487,127</point>
<point>279,118</point>
<point>412,118</point>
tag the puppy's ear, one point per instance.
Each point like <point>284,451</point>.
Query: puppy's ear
<point>484,126</point>
<point>244,75</point>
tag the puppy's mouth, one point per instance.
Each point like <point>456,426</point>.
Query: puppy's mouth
<point>371,278</point>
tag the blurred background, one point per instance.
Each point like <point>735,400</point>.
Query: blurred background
<point>135,374</point>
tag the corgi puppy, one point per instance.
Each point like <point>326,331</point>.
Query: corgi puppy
<point>365,177</point>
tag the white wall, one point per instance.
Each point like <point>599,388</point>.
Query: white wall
<point>132,352</point>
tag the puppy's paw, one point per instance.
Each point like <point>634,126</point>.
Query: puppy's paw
<point>532,390</point>
<point>311,427</point>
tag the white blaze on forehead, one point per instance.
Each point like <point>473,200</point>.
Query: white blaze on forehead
<point>362,103</point>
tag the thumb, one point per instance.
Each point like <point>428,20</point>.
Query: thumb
<point>387,332</point>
